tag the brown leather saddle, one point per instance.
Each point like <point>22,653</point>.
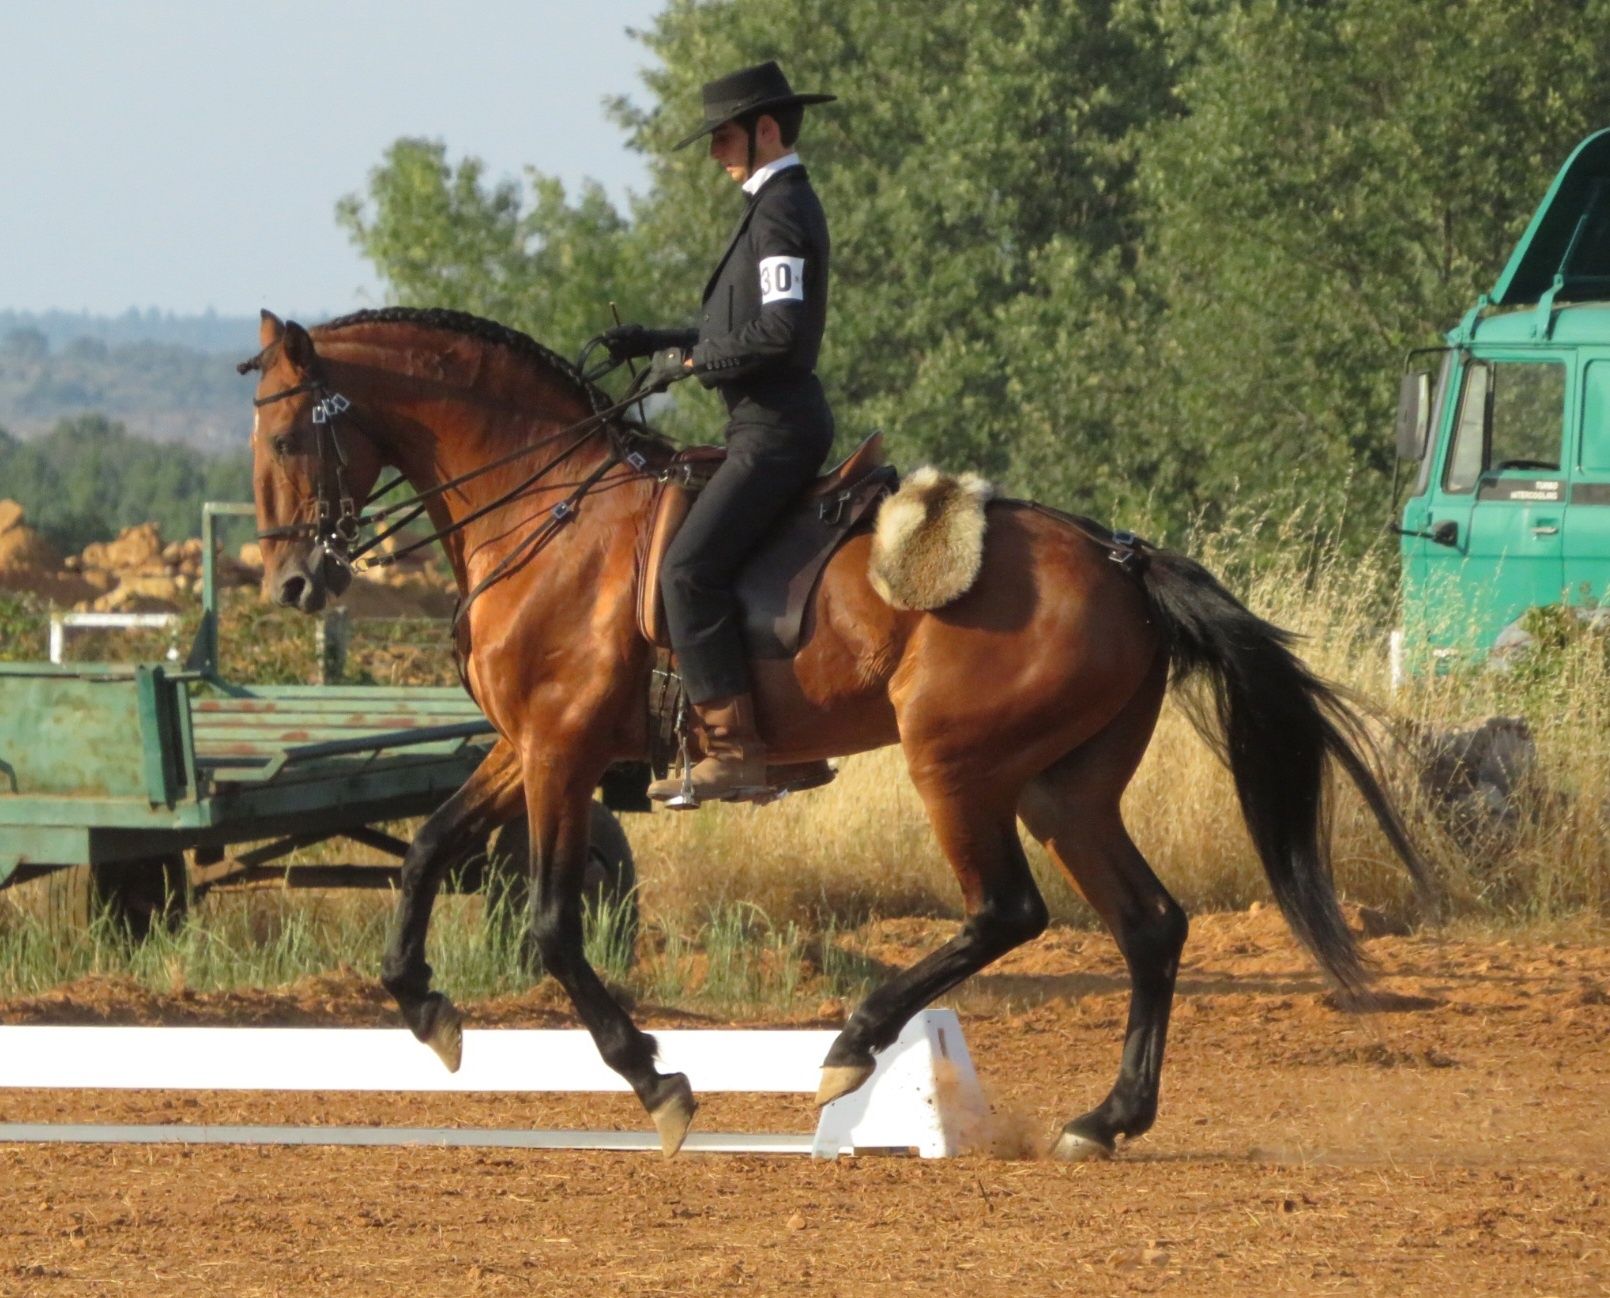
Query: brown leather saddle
<point>775,586</point>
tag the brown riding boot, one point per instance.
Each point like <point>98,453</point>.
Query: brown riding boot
<point>734,764</point>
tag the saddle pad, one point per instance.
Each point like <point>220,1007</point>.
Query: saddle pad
<point>775,585</point>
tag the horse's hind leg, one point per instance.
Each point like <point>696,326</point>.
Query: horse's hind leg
<point>489,798</point>
<point>1073,810</point>
<point>1004,910</point>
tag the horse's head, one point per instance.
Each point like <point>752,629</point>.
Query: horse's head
<point>311,470</point>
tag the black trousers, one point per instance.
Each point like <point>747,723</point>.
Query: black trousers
<point>767,466</point>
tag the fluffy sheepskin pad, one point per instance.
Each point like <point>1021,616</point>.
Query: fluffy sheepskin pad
<point>929,542</point>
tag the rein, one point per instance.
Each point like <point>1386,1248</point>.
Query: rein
<point>338,523</point>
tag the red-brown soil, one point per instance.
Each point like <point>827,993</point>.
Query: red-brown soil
<point>1454,1139</point>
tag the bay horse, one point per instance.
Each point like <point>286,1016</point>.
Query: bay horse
<point>1033,696</point>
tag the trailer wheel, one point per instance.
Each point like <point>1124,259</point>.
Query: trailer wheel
<point>609,889</point>
<point>138,896</point>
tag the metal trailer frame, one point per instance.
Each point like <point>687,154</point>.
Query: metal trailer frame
<point>102,765</point>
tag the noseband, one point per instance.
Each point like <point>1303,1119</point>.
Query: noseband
<point>337,524</point>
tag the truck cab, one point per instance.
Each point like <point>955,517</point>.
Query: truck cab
<point>1509,433</point>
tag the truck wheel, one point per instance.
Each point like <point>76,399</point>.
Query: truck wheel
<point>139,895</point>
<point>609,889</point>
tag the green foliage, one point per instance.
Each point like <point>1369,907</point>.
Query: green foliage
<point>442,237</point>
<point>1346,179</point>
<point>88,478</point>
<point>24,627</point>
<point>1130,256</point>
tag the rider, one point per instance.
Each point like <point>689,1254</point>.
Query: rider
<point>764,308</point>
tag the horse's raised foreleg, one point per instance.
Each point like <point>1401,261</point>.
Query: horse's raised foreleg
<point>1004,910</point>
<point>558,807</point>
<point>489,798</point>
<point>1073,809</point>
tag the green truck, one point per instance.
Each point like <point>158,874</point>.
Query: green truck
<point>1509,433</point>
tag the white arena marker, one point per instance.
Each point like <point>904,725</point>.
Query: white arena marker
<point>924,1094</point>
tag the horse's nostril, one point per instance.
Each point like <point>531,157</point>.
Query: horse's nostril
<point>291,591</point>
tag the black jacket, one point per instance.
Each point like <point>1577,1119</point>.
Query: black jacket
<point>765,303</point>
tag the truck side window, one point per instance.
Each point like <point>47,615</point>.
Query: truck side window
<point>1469,434</point>
<point>1511,416</point>
<point>1439,401</point>
<point>1596,417</point>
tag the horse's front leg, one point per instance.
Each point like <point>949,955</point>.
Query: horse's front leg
<point>557,803</point>
<point>489,798</point>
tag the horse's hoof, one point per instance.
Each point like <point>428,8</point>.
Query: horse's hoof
<point>839,1080</point>
<point>673,1115</point>
<point>445,1034</point>
<point>1072,1147</point>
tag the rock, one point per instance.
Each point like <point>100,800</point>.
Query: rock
<point>142,595</point>
<point>1515,643</point>
<point>1477,779</point>
<point>11,515</point>
<point>134,548</point>
<point>23,550</point>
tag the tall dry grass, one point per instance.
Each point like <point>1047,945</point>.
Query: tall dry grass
<point>730,895</point>
<point>862,846</point>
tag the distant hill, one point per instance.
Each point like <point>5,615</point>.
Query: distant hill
<point>163,377</point>
<point>209,332</point>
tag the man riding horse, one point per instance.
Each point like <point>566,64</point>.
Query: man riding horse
<point>765,305</point>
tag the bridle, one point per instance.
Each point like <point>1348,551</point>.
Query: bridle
<point>339,520</point>
<point>337,524</point>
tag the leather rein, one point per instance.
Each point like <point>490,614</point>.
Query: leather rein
<point>339,520</point>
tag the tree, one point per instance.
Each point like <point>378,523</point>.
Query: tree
<point>87,479</point>
<point>441,236</point>
<point>1151,259</point>
<point>1345,179</point>
<point>978,164</point>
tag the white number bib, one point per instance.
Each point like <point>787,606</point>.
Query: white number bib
<point>782,279</point>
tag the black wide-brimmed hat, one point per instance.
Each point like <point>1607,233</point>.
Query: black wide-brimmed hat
<point>749,90</point>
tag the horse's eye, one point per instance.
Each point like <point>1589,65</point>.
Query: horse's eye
<point>284,444</point>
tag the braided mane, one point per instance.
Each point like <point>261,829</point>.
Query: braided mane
<point>462,322</point>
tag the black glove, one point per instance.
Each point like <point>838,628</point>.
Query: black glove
<point>669,365</point>
<point>629,341</point>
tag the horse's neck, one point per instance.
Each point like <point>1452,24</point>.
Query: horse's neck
<point>432,442</point>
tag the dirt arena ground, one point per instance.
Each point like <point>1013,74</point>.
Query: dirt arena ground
<point>1453,1140</point>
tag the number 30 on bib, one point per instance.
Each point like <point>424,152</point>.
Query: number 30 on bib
<point>782,279</point>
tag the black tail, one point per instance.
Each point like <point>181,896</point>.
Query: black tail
<point>1277,726</point>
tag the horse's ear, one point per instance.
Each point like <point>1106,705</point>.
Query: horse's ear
<point>297,348</point>
<point>270,331</point>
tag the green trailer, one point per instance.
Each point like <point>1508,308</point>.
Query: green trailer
<point>139,786</point>
<point>1508,427</point>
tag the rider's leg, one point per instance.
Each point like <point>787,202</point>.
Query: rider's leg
<point>765,469</point>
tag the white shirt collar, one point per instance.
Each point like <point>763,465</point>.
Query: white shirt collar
<point>753,184</point>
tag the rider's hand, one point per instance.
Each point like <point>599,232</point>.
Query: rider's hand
<point>668,365</point>
<point>627,342</point>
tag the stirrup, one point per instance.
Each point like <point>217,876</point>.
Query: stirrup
<point>686,798</point>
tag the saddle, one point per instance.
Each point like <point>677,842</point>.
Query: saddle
<point>774,586</point>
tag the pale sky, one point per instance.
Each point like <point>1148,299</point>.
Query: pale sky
<point>187,154</point>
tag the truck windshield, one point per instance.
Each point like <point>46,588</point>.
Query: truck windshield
<point>1511,416</point>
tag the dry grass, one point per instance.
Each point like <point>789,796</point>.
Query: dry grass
<point>862,847</point>
<point>757,883</point>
